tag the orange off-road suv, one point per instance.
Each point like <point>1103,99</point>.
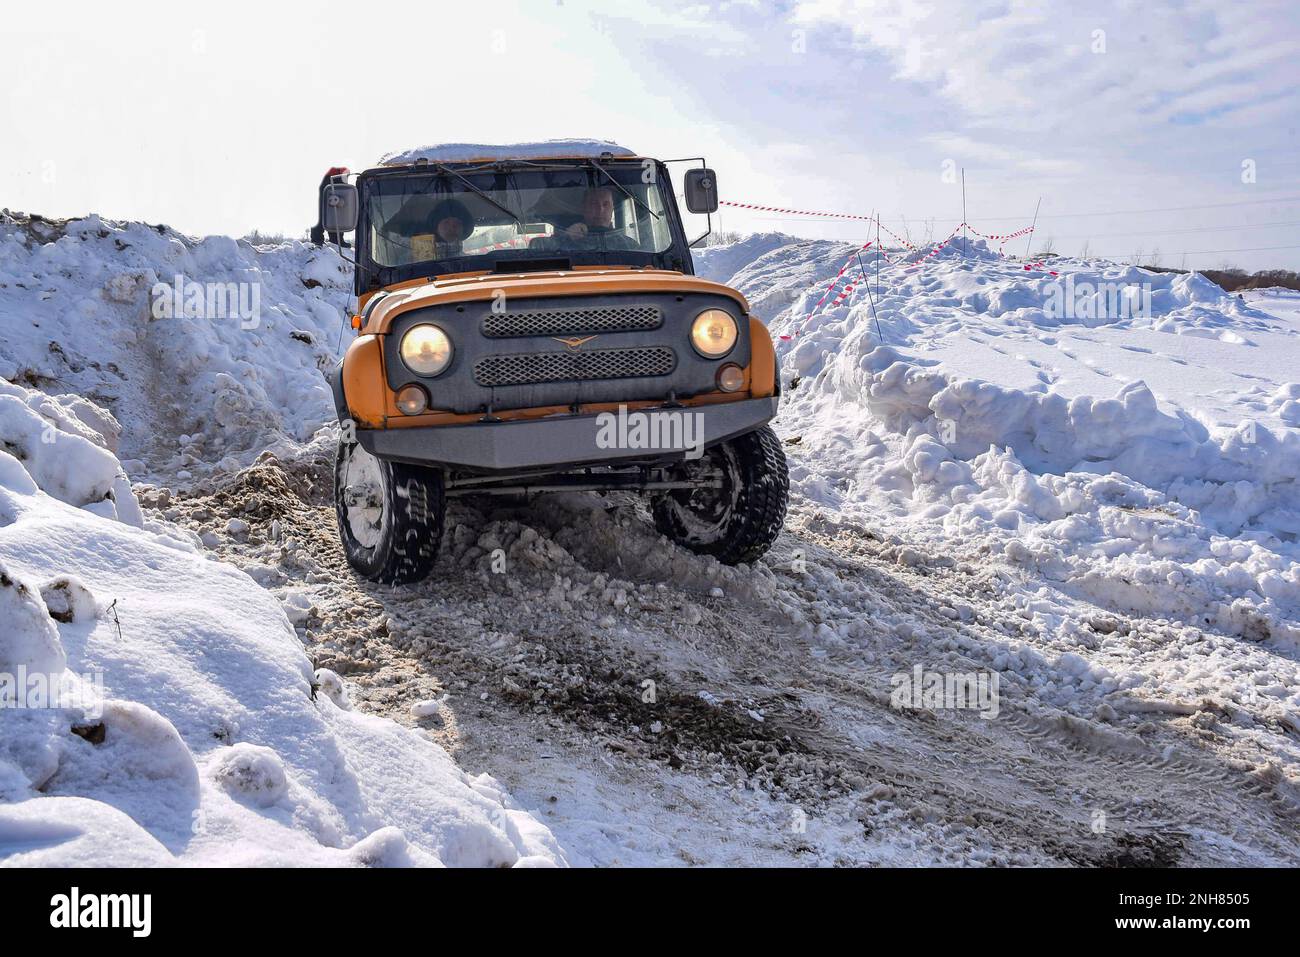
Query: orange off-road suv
<point>528,320</point>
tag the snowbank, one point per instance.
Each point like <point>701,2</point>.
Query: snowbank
<point>723,261</point>
<point>184,725</point>
<point>465,152</point>
<point>203,350</point>
<point>1130,437</point>
<point>1093,459</point>
<point>63,442</point>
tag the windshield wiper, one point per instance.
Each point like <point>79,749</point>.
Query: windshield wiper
<point>445,171</point>
<point>626,192</point>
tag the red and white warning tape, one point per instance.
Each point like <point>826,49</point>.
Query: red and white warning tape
<point>937,247</point>
<point>794,212</point>
<point>896,236</point>
<point>825,214</point>
<point>1001,238</point>
<point>843,269</point>
<point>844,294</point>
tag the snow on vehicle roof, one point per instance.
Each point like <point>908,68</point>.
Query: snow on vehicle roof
<point>464,152</point>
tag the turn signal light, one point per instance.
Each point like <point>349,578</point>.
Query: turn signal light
<point>412,400</point>
<point>731,378</point>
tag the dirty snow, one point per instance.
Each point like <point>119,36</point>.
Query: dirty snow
<point>78,316</point>
<point>203,740</point>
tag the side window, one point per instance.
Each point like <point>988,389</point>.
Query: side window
<point>659,232</point>
<point>644,231</point>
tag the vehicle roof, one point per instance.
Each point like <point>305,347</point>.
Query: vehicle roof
<point>487,152</point>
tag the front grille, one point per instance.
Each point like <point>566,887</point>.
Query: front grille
<point>553,322</point>
<point>530,368</point>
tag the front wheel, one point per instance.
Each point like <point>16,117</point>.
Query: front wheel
<point>390,515</point>
<point>738,509</point>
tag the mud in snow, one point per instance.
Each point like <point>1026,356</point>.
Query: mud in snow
<point>656,707</point>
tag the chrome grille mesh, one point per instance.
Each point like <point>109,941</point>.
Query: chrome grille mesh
<point>531,368</point>
<point>555,322</point>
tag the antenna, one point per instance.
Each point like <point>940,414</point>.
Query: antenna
<point>870,299</point>
<point>1030,241</point>
<point>965,240</point>
<point>877,254</point>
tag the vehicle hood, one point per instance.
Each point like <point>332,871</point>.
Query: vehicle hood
<point>582,282</point>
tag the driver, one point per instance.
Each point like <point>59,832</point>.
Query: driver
<point>596,231</point>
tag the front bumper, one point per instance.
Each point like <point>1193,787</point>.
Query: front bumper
<point>565,441</point>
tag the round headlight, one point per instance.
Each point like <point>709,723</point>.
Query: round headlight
<point>713,333</point>
<point>426,350</point>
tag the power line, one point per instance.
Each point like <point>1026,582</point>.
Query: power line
<point>1166,209</point>
<point>1119,212</point>
<point>1182,252</point>
<point>1147,232</point>
<point>1173,232</point>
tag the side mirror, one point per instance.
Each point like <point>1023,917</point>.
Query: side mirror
<point>339,208</point>
<point>701,190</point>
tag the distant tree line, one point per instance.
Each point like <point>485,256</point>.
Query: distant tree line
<point>721,238</point>
<point>1231,280</point>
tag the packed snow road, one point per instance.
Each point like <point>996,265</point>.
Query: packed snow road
<point>652,706</point>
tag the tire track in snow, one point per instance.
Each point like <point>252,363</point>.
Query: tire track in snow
<point>779,687</point>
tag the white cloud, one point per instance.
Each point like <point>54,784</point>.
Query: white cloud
<point>1030,66</point>
<point>827,104</point>
<point>970,150</point>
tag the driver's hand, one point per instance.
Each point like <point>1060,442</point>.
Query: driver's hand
<point>577,231</point>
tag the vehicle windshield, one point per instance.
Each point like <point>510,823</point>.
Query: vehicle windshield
<point>464,220</point>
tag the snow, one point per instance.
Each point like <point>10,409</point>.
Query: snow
<point>208,745</point>
<point>723,261</point>
<point>31,641</point>
<point>54,446</point>
<point>79,308</point>
<point>427,708</point>
<point>1101,509</point>
<point>68,600</point>
<point>465,152</point>
<point>1148,462</point>
<point>1141,464</point>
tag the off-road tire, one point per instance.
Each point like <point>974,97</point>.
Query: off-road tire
<point>739,523</point>
<point>409,533</point>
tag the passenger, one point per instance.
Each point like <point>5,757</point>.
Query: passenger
<point>438,234</point>
<point>452,225</point>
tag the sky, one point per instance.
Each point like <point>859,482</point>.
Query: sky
<point>1167,131</point>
